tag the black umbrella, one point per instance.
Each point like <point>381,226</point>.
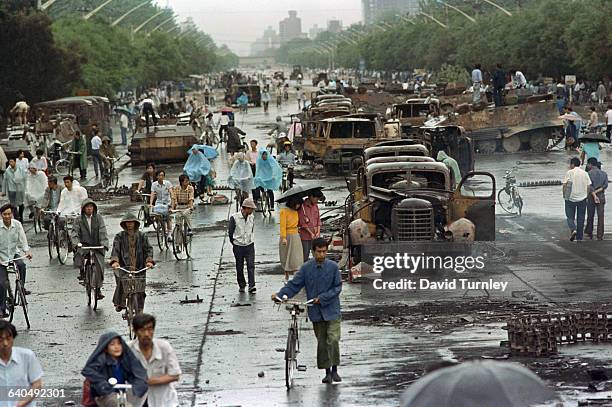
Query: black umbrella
<point>299,191</point>
<point>593,137</point>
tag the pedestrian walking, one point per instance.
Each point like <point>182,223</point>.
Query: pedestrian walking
<point>499,84</point>
<point>593,119</point>
<point>14,185</point>
<point>132,251</point>
<point>96,143</point>
<point>476,83</point>
<point>279,96</point>
<point>22,161</point>
<point>597,198</point>
<point>79,154</point>
<point>113,358</point>
<point>575,191</point>
<point>602,94</point>
<point>290,244</point>
<point>13,244</point>
<point>300,97</point>
<point>159,360</point>
<point>124,123</point>
<point>323,283</point>
<point>265,99</point>
<point>20,370</point>
<point>89,230</point>
<point>240,232</point>
<point>309,221</point>
<point>589,149</point>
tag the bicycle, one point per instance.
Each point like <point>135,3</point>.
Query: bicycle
<point>122,400</point>
<point>19,298</point>
<point>65,166</point>
<point>181,236</point>
<point>110,177</point>
<point>159,224</point>
<point>144,213</point>
<point>287,180</point>
<point>37,219</point>
<point>509,196</point>
<point>293,340</point>
<point>133,285</point>
<point>59,238</point>
<point>239,197</point>
<point>266,202</point>
<point>92,280</point>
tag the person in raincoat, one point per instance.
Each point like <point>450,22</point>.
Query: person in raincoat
<point>268,175</point>
<point>452,165</point>
<point>198,167</point>
<point>241,176</point>
<point>132,251</point>
<point>243,102</point>
<point>79,158</point>
<point>89,230</point>
<point>113,358</point>
<point>13,185</point>
<point>36,184</point>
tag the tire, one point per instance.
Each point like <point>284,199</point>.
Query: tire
<point>141,215</point>
<point>264,202</point>
<point>114,181</point>
<point>62,246</point>
<point>504,198</point>
<point>10,302</point>
<point>36,219</point>
<point>132,312</point>
<point>105,181</point>
<point>88,286</point>
<point>519,203</point>
<point>237,198</point>
<point>290,359</point>
<point>62,167</point>
<point>51,240</point>
<point>177,242</point>
<point>24,305</point>
<point>160,232</point>
<point>187,243</point>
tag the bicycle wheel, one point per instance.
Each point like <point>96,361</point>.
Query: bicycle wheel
<point>21,300</point>
<point>141,215</point>
<point>62,246</point>
<point>88,281</point>
<point>290,358</point>
<point>62,167</point>
<point>264,202</point>
<point>177,242</point>
<point>105,180</point>
<point>160,233</point>
<point>238,199</point>
<point>187,242</point>
<point>10,301</point>
<point>114,179</point>
<point>51,239</point>
<point>37,222</point>
<point>505,200</point>
<point>133,311</point>
<point>519,203</point>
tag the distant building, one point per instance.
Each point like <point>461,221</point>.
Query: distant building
<point>372,9</point>
<point>268,41</point>
<point>290,27</point>
<point>334,26</point>
<point>314,31</point>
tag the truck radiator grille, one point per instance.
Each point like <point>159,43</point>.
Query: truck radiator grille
<point>413,224</point>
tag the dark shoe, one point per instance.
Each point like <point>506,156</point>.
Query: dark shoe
<point>31,215</point>
<point>4,314</point>
<point>573,236</point>
<point>81,276</point>
<point>27,292</point>
<point>189,232</point>
<point>252,290</point>
<point>99,296</point>
<point>119,308</point>
<point>327,379</point>
<point>170,238</point>
<point>336,377</point>
<point>241,290</point>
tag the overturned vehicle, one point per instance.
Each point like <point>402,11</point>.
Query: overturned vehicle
<point>408,197</point>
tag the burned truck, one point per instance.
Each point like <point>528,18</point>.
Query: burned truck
<point>410,198</point>
<point>339,142</point>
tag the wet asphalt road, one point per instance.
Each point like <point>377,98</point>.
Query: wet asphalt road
<point>225,341</point>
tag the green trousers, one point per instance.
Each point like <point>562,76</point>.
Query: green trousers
<point>328,343</point>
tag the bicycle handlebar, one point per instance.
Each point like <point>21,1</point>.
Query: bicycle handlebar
<point>6,263</point>
<point>284,300</point>
<point>133,272</point>
<point>80,246</point>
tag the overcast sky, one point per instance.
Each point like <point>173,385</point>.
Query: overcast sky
<point>238,23</point>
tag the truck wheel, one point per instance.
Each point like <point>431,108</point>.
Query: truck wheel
<point>511,144</point>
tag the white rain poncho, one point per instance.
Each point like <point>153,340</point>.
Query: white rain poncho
<point>241,176</point>
<point>36,184</point>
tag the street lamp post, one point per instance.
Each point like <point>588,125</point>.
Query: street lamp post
<point>158,26</point>
<point>148,20</point>
<point>94,11</point>
<point>498,6</point>
<point>435,20</point>
<point>406,19</point>
<point>127,13</point>
<point>472,19</point>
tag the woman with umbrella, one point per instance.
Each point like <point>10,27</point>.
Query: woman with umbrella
<point>290,245</point>
<point>268,175</point>
<point>199,169</point>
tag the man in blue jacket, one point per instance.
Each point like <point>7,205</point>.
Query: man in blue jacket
<point>321,278</point>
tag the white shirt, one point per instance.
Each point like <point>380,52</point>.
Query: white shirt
<point>96,142</point>
<point>23,163</point>
<point>22,369</point>
<point>519,79</point>
<point>609,117</point>
<point>40,163</point>
<point>13,241</point>
<point>476,75</point>
<point>123,120</point>
<point>224,120</point>
<point>163,362</point>
<point>71,201</point>
<point>580,184</point>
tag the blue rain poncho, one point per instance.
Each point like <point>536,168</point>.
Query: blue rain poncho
<point>241,176</point>
<point>268,172</point>
<point>243,100</point>
<point>198,164</point>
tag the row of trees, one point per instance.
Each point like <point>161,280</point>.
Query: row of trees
<point>543,38</point>
<point>51,54</point>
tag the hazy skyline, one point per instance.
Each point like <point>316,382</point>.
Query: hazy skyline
<point>239,22</point>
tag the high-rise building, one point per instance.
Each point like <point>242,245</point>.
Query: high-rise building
<point>314,31</point>
<point>334,26</point>
<point>373,9</point>
<point>268,41</point>
<point>290,27</point>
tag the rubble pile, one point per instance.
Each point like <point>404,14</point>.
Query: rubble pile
<point>540,335</point>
